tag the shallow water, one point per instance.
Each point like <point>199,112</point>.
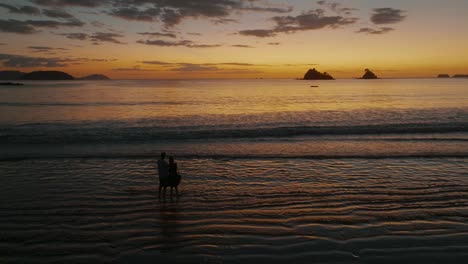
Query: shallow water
<point>230,211</point>
<point>273,171</point>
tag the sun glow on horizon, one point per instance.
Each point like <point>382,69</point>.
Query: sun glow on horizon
<point>235,39</point>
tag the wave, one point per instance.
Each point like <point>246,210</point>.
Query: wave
<point>45,133</point>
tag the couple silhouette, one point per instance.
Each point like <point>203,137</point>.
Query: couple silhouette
<point>168,175</point>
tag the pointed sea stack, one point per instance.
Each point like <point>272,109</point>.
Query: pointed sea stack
<point>369,75</point>
<point>313,74</point>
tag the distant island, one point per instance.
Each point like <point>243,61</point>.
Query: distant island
<point>369,75</point>
<point>46,75</point>
<point>10,84</point>
<point>11,75</point>
<point>95,77</point>
<point>460,76</point>
<point>455,76</point>
<point>443,76</point>
<point>313,74</point>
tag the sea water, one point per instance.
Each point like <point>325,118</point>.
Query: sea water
<point>365,171</point>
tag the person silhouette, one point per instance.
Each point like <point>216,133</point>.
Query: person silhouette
<point>163,171</point>
<point>174,177</point>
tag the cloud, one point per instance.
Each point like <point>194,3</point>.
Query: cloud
<point>195,68</point>
<point>177,64</point>
<point>221,21</point>
<point>106,37</point>
<point>133,13</point>
<point>158,63</point>
<point>387,16</point>
<point>174,12</point>
<point>311,20</point>
<point>158,34</point>
<point>261,33</point>
<point>16,26</point>
<point>274,43</point>
<point>181,43</point>
<point>222,67</point>
<point>45,49</point>
<point>375,31</point>
<point>55,24</point>
<point>242,46</point>
<point>18,61</point>
<point>337,7</point>
<point>57,13</point>
<point>134,69</point>
<point>29,26</point>
<point>75,36</point>
<point>25,10</point>
<point>268,9</point>
<point>82,3</point>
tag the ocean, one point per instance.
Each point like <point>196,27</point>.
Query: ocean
<point>351,171</point>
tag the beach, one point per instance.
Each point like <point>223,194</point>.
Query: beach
<point>351,171</point>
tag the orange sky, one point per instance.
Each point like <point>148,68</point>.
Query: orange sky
<point>235,39</point>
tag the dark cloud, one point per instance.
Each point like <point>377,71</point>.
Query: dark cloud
<point>194,34</point>
<point>158,34</point>
<point>242,46</point>
<point>261,33</point>
<point>204,67</point>
<point>337,7</point>
<point>98,24</point>
<point>375,31</point>
<point>178,64</point>
<point>387,16</point>
<point>312,20</point>
<point>106,37</point>
<point>174,12</point>
<point>76,36</point>
<point>83,3</point>
<point>133,13</point>
<point>157,63</point>
<point>268,9</point>
<point>221,21</point>
<point>16,26</point>
<point>57,13</point>
<point>55,24</point>
<point>45,49</point>
<point>195,68</point>
<point>25,10</point>
<point>134,69</point>
<point>18,61</point>
<point>274,43</point>
<point>29,26</point>
<point>181,43</point>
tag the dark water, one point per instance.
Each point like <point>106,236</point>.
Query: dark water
<point>273,171</point>
<point>269,210</point>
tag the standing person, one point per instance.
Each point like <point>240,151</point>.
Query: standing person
<point>163,170</point>
<point>174,177</point>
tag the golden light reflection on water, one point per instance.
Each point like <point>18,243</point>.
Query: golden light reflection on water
<point>116,100</point>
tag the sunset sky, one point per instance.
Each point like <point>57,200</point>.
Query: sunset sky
<point>133,39</point>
